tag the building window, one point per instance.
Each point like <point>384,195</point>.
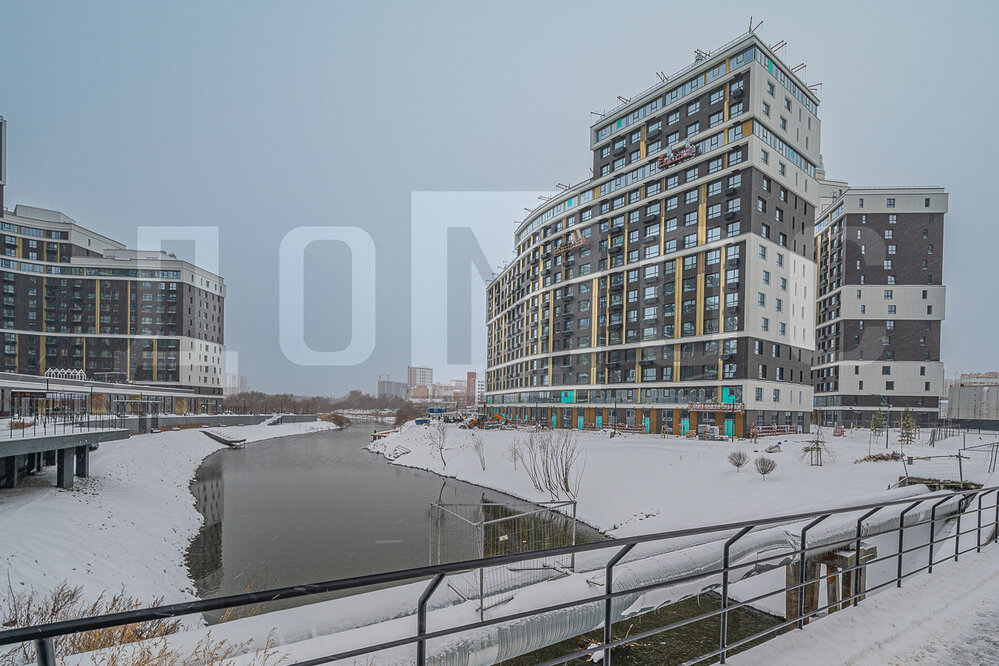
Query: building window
<point>890,203</point>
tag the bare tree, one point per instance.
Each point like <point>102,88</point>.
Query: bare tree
<point>765,466</point>
<point>738,459</point>
<point>552,462</point>
<point>480,450</point>
<point>512,454</point>
<point>437,436</point>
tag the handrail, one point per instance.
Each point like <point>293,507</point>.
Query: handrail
<point>42,634</point>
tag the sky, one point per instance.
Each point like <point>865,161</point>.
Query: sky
<point>258,119</point>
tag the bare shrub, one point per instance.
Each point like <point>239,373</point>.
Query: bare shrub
<point>551,459</point>
<point>437,436</point>
<point>128,645</point>
<point>480,450</point>
<point>512,454</point>
<point>765,466</point>
<point>738,459</point>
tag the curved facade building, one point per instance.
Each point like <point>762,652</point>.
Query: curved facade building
<point>676,286</point>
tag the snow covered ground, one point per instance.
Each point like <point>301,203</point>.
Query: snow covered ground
<point>948,617</point>
<point>636,483</point>
<point>128,524</point>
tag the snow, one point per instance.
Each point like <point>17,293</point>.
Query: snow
<point>127,525</point>
<point>947,617</point>
<point>638,484</point>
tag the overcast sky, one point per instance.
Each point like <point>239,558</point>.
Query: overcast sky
<point>260,118</point>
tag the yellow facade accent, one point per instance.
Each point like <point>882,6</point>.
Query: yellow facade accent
<point>725,108</point>
<point>97,307</point>
<point>642,147</point>
<point>747,128</point>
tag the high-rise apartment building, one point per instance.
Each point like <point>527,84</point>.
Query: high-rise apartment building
<point>676,286</point>
<point>423,377</point>
<point>881,300</point>
<point>74,300</point>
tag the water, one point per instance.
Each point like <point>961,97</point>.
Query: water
<point>316,507</point>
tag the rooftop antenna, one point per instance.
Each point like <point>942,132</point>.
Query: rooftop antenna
<point>751,27</point>
<point>794,70</point>
<point>598,113</point>
<point>544,197</point>
<point>528,210</point>
<point>700,55</point>
<point>815,86</point>
<point>624,100</point>
<point>662,77</point>
<point>562,186</point>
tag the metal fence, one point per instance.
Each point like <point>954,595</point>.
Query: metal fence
<point>41,426</point>
<point>937,511</point>
<point>490,529</point>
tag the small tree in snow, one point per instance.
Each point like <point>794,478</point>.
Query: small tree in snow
<point>878,422</point>
<point>437,436</point>
<point>765,466</point>
<point>552,462</point>
<point>738,459</point>
<point>480,450</point>
<point>512,454</point>
<point>907,428</point>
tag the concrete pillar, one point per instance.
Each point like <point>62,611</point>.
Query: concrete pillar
<point>83,461</point>
<point>37,463</point>
<point>10,472</point>
<point>811,589</point>
<point>64,468</point>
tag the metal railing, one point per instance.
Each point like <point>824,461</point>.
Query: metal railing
<point>63,424</point>
<point>984,518</point>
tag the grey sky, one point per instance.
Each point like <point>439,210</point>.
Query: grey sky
<point>259,118</point>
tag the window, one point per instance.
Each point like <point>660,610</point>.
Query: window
<point>716,119</point>
<point>888,294</point>
<point>763,252</point>
<point>783,123</point>
<point>890,203</point>
<point>693,128</point>
<point>766,277</point>
<point>764,324</point>
<point>764,156</point>
<point>892,218</point>
<point>787,103</point>
<point>693,108</point>
<point>761,204</point>
<point>717,96</point>
<point>770,87</point>
<point>673,118</point>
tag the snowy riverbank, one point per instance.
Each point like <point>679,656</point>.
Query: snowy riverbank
<point>127,525</point>
<point>635,483</point>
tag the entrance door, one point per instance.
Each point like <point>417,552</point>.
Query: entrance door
<point>599,422</point>
<point>645,424</point>
<point>684,426</point>
<point>729,427</point>
<point>579,423</point>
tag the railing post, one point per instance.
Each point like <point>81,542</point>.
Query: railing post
<point>608,588</point>
<point>421,619</point>
<point>995,526</point>
<point>44,654</point>
<point>802,577</point>
<point>856,556</point>
<point>901,536</point>
<point>978,533</point>
<point>724,602</point>
<point>957,532</point>
<point>933,527</point>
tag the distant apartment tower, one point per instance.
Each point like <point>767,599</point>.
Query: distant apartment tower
<point>3,158</point>
<point>880,304</point>
<point>675,287</point>
<point>390,389</point>
<point>470,389</point>
<point>420,377</point>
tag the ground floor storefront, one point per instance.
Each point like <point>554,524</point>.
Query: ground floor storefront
<point>673,420</point>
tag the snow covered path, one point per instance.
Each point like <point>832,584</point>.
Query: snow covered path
<point>127,525</point>
<point>947,617</point>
